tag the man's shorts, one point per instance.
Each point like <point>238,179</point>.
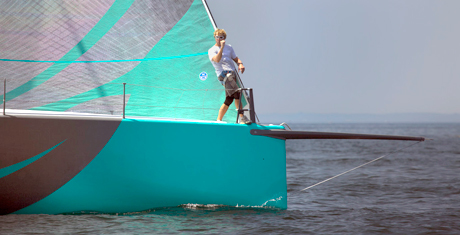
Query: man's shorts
<point>229,99</point>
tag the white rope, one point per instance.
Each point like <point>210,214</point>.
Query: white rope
<point>359,166</point>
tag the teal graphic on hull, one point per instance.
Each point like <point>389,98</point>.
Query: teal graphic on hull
<point>13,168</point>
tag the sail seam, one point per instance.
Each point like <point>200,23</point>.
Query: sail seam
<point>105,61</point>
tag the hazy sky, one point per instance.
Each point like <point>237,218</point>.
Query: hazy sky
<point>347,56</point>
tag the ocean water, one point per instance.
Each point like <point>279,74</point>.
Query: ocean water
<point>415,190</point>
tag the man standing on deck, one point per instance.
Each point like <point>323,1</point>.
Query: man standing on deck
<point>222,57</point>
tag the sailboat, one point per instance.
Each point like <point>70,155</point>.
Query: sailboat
<point>110,107</point>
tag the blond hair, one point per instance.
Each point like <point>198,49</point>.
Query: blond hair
<point>220,31</point>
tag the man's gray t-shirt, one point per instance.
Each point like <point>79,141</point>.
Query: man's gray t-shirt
<point>226,63</point>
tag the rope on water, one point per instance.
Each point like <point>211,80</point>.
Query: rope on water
<point>398,150</point>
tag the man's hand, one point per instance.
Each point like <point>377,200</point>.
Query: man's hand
<point>222,43</point>
<point>241,68</point>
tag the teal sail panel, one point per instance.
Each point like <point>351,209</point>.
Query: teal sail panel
<point>75,56</point>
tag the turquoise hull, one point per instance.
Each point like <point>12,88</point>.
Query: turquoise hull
<point>144,164</point>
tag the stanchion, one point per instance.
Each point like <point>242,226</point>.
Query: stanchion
<point>252,111</point>
<point>124,103</point>
<point>4,96</point>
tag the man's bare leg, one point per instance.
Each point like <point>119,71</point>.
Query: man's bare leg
<point>223,109</point>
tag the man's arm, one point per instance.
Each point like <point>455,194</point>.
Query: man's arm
<point>241,67</point>
<point>218,57</point>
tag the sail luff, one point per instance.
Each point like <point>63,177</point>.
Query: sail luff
<point>211,18</point>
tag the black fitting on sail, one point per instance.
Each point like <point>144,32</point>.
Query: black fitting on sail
<point>284,134</point>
